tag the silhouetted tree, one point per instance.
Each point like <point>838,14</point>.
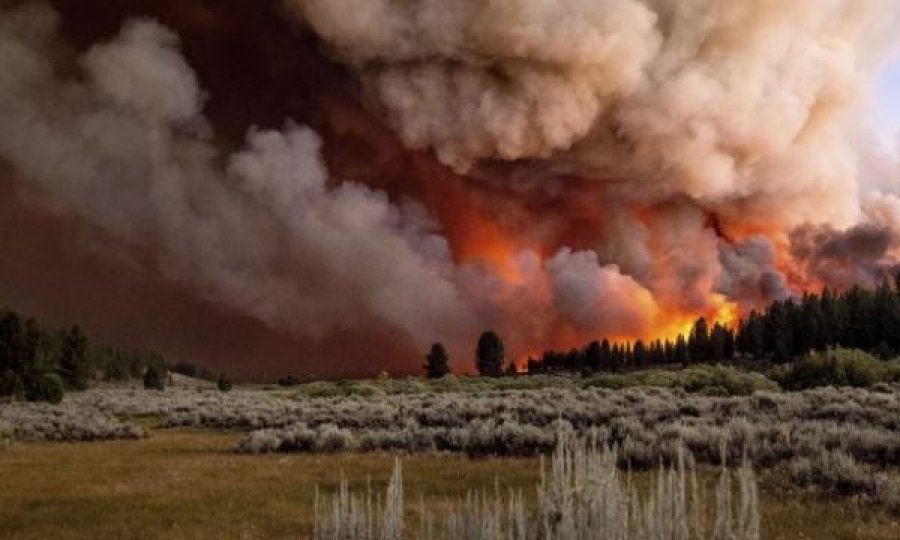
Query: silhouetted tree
<point>698,342</point>
<point>437,363</point>
<point>669,351</point>
<point>680,354</point>
<point>489,355</point>
<point>639,353</point>
<point>778,342</point>
<point>73,363</point>
<point>12,343</point>
<point>593,356</point>
<point>718,338</point>
<point>511,370</point>
<point>606,361</point>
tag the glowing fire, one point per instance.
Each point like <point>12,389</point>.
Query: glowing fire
<point>486,243</point>
<point>724,312</point>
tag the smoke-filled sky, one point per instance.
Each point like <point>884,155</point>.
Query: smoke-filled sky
<point>328,186</point>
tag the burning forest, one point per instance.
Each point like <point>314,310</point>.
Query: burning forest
<point>329,186</point>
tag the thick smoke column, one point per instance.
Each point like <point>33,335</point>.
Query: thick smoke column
<point>620,167</point>
<point>734,104</point>
<point>124,146</point>
<point>681,110</point>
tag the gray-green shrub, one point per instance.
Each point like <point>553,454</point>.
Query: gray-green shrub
<point>832,470</point>
<point>837,367</point>
<point>582,494</point>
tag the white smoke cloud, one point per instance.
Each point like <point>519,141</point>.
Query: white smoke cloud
<point>482,79</point>
<point>737,104</point>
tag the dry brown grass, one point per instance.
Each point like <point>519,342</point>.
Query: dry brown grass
<point>188,484</point>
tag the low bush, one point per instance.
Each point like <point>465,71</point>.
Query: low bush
<point>289,380</point>
<point>833,471</point>
<point>224,383</point>
<point>45,422</point>
<point>707,380</point>
<point>837,367</point>
<point>713,380</point>
<point>887,490</point>
<point>185,368</point>
<point>45,387</point>
<point>155,378</point>
<point>723,380</point>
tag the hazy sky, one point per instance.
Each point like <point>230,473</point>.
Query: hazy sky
<point>887,109</point>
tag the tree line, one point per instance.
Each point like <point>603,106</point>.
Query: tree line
<point>703,345</point>
<point>858,318</point>
<point>39,363</point>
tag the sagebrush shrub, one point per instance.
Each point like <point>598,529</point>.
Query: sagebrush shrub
<point>832,470</point>
<point>888,492</point>
<point>581,495</point>
<point>66,422</point>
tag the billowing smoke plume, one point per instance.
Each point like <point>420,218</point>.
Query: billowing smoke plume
<point>123,145</point>
<point>684,111</point>
<point>117,137</point>
<point>726,102</point>
<point>861,255</point>
<point>616,168</point>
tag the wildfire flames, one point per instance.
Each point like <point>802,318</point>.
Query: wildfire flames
<point>338,184</point>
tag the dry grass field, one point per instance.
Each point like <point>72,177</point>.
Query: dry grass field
<point>190,484</point>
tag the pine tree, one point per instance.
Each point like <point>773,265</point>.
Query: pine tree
<point>489,355</point>
<point>717,339</point>
<point>73,363</point>
<point>729,345</point>
<point>809,333</point>
<point>437,363</point>
<point>593,355</point>
<point>639,353</point>
<point>778,333</point>
<point>680,353</point>
<point>606,361</point>
<point>886,318</point>
<point>616,357</point>
<point>698,343</point>
<point>511,370</point>
<point>669,352</point>
<point>12,344</point>
<point>858,328</point>
<point>830,331</point>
